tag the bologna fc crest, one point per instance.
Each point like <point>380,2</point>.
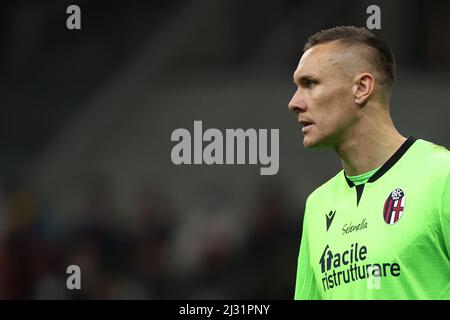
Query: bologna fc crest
<point>394,206</point>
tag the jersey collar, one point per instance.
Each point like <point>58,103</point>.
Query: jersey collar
<point>389,163</point>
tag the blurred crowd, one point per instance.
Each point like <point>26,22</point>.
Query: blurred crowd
<point>205,252</point>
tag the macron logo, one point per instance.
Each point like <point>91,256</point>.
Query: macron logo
<point>330,217</point>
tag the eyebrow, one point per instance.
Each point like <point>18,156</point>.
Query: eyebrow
<point>303,78</point>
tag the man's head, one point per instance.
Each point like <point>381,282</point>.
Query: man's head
<point>342,71</point>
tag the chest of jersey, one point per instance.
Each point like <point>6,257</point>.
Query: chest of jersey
<point>370,244</point>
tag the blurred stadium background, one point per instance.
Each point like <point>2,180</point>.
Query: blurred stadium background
<point>85,171</point>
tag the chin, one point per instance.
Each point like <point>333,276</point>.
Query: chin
<point>311,142</point>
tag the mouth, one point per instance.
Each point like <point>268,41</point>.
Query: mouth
<point>306,125</point>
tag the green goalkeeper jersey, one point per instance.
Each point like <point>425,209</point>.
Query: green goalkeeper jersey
<point>387,238</point>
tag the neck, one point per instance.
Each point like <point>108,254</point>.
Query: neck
<point>370,143</point>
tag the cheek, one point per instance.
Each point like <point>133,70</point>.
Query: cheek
<point>324,102</point>
<point>334,108</point>
<point>317,95</point>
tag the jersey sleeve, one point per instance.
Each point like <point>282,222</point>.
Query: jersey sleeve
<point>305,285</point>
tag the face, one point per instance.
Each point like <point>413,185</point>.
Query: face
<point>324,101</point>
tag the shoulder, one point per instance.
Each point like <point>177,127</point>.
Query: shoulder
<point>431,157</point>
<point>434,149</point>
<point>328,190</point>
<point>323,198</point>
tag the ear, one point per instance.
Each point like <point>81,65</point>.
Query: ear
<point>363,88</point>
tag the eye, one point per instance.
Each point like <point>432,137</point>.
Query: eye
<point>310,83</point>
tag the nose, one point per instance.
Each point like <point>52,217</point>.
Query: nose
<point>297,103</point>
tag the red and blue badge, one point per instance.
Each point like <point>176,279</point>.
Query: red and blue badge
<point>394,206</point>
